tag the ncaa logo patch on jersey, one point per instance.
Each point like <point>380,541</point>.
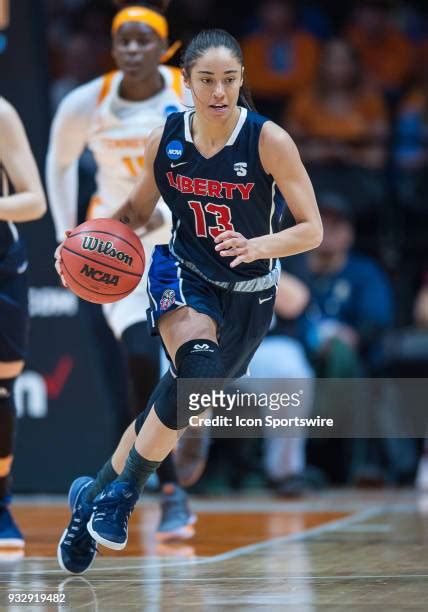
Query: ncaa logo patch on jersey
<point>171,108</point>
<point>167,299</point>
<point>240,168</point>
<point>174,149</point>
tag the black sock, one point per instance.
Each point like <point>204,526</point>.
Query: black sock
<point>105,476</point>
<point>137,470</point>
<point>166,471</point>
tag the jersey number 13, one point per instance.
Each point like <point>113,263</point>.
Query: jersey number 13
<point>221,212</point>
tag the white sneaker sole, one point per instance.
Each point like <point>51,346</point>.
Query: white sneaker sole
<point>60,562</point>
<point>103,541</point>
<point>182,533</point>
<point>12,543</point>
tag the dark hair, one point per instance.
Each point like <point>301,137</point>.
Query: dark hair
<point>208,39</point>
<point>156,5</point>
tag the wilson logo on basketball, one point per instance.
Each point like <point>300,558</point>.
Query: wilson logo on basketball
<point>99,276</point>
<point>90,243</point>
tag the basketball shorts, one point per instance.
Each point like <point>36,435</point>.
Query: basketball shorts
<point>243,318</point>
<point>14,319</point>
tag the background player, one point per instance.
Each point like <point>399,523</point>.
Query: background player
<point>17,165</point>
<point>114,115</point>
<point>220,169</point>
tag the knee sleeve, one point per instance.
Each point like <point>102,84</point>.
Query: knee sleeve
<point>194,359</point>
<point>199,359</point>
<point>7,417</point>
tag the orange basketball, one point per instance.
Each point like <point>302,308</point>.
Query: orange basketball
<point>102,260</point>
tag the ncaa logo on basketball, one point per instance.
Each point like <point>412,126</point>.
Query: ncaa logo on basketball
<point>167,299</point>
<point>174,149</point>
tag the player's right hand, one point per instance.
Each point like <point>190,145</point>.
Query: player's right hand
<point>58,260</point>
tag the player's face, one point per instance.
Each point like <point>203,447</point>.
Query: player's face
<point>137,49</point>
<point>215,80</point>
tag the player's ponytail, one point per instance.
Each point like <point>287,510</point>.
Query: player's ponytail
<point>208,39</point>
<point>157,5</point>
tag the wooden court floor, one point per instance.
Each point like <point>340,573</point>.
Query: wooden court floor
<point>334,551</point>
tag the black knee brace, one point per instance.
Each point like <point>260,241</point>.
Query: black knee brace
<point>7,417</point>
<point>194,359</point>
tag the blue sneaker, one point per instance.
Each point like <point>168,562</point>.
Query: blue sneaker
<point>177,520</point>
<point>76,549</point>
<point>10,536</point>
<point>112,508</point>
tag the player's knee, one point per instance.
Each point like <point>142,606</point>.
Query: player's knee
<point>199,359</point>
<point>196,359</point>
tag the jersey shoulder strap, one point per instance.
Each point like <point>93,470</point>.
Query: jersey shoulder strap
<point>106,85</point>
<point>176,80</point>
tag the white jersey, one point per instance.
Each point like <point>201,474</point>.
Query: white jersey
<point>116,131</point>
<point>118,136</point>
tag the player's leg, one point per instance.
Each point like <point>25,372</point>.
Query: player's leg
<point>143,356</point>
<point>77,548</point>
<point>191,337</point>
<point>127,318</point>
<point>13,347</point>
<point>10,535</point>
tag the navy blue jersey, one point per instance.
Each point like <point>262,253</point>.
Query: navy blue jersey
<point>13,259</point>
<point>228,191</point>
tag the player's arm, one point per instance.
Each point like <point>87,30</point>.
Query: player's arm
<point>68,137</point>
<point>28,203</point>
<point>140,204</point>
<point>280,158</point>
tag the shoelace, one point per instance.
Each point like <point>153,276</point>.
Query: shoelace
<point>78,536</point>
<point>82,540</point>
<point>113,511</point>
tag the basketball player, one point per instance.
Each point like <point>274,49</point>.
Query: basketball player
<point>114,115</point>
<point>220,168</point>
<point>17,165</point>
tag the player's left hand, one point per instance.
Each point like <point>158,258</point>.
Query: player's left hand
<point>234,244</point>
<point>58,260</point>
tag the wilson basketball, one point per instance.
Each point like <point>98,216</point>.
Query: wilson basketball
<point>102,260</point>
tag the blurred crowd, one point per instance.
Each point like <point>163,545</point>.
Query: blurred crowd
<point>350,84</point>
